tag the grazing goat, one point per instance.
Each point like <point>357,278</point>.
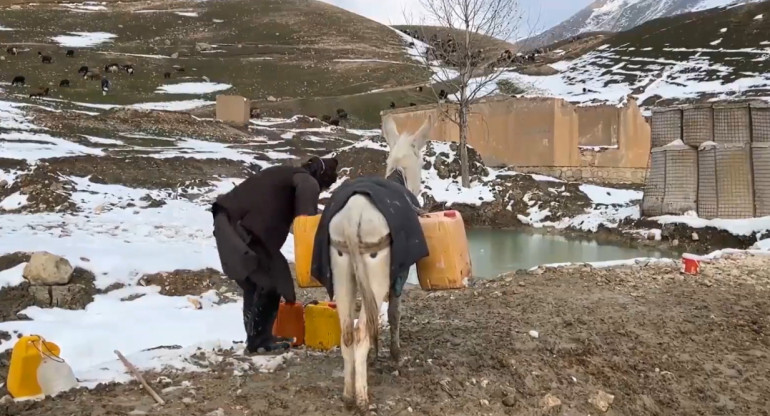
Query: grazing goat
<point>64,83</point>
<point>11,50</point>
<point>92,75</point>
<point>82,71</point>
<point>111,68</point>
<point>167,75</point>
<point>129,69</point>
<point>105,86</point>
<point>342,114</point>
<point>334,122</point>
<point>46,59</point>
<point>412,105</point>
<point>18,80</point>
<point>40,92</point>
<point>70,53</point>
<point>353,230</point>
<point>442,95</point>
<point>392,104</point>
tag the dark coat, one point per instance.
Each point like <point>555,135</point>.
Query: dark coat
<point>398,206</point>
<point>259,213</point>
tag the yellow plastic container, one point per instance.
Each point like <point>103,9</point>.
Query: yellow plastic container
<point>322,326</point>
<point>448,265</point>
<point>304,236</point>
<point>25,359</point>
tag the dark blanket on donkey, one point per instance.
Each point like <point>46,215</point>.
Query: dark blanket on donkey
<point>398,206</point>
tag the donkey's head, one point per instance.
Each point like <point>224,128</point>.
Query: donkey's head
<point>406,152</point>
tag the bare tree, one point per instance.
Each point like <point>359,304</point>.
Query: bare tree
<point>467,53</point>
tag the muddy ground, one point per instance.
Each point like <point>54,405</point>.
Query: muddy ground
<point>660,342</point>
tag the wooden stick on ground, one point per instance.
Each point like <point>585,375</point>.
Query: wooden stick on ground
<point>139,378</point>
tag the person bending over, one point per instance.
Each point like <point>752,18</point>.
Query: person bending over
<point>251,223</point>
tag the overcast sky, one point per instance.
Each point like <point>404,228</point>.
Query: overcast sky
<point>538,15</point>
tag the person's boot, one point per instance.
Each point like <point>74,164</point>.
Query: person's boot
<point>261,340</point>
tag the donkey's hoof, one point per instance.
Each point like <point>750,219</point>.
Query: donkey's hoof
<point>362,406</point>
<point>349,402</point>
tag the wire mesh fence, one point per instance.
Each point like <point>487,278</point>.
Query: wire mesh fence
<point>681,192</point>
<point>732,123</point>
<point>760,154</point>
<point>665,126</point>
<point>760,123</point>
<point>707,182</point>
<point>655,184</point>
<point>697,124</point>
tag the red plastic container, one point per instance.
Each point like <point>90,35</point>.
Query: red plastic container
<point>691,265</point>
<point>290,322</point>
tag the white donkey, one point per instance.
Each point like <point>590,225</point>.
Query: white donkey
<point>360,257</point>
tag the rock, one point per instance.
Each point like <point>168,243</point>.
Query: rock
<point>218,412</point>
<point>550,401</point>
<point>602,400</point>
<point>484,402</point>
<point>3,183</point>
<point>651,236</point>
<point>509,401</point>
<point>2,58</point>
<point>272,99</point>
<point>201,46</point>
<point>695,237</point>
<point>534,334</point>
<point>71,297</point>
<point>675,243</point>
<point>167,42</point>
<point>99,209</point>
<point>175,55</point>
<point>45,268</point>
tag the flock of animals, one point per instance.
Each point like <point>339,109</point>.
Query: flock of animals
<point>84,72</point>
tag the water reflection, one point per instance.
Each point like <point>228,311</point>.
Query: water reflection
<point>498,251</point>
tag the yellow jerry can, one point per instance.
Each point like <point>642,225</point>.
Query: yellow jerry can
<point>322,326</point>
<point>26,356</point>
<point>304,236</point>
<point>448,264</point>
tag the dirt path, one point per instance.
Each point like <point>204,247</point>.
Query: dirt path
<point>661,343</point>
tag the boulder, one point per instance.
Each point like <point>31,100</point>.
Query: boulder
<point>45,268</point>
<point>73,296</point>
<point>201,47</point>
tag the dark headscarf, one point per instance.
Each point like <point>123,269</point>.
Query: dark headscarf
<point>324,170</point>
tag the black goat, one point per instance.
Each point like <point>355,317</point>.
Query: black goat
<point>326,118</point>
<point>46,59</point>
<point>11,50</point>
<point>18,80</point>
<point>70,53</point>
<point>83,71</point>
<point>167,75</point>
<point>64,83</point>
<point>392,104</point>
<point>342,114</point>
<point>334,122</point>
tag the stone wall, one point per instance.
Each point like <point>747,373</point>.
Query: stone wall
<point>598,175</point>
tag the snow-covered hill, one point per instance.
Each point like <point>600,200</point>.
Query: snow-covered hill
<point>620,15</point>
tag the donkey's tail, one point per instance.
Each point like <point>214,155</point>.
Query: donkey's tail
<point>354,243</point>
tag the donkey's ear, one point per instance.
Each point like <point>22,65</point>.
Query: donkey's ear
<point>421,137</point>
<point>390,132</point>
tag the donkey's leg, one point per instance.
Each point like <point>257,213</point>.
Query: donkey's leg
<point>345,296</point>
<point>394,320</point>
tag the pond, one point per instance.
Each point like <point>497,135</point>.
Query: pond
<point>495,251</point>
<point>498,251</point>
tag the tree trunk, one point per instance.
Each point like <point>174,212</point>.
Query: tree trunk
<point>464,168</point>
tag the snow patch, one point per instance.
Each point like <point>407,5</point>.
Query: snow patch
<point>193,88</point>
<point>12,277</point>
<point>182,105</point>
<point>13,201</point>
<point>83,39</point>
